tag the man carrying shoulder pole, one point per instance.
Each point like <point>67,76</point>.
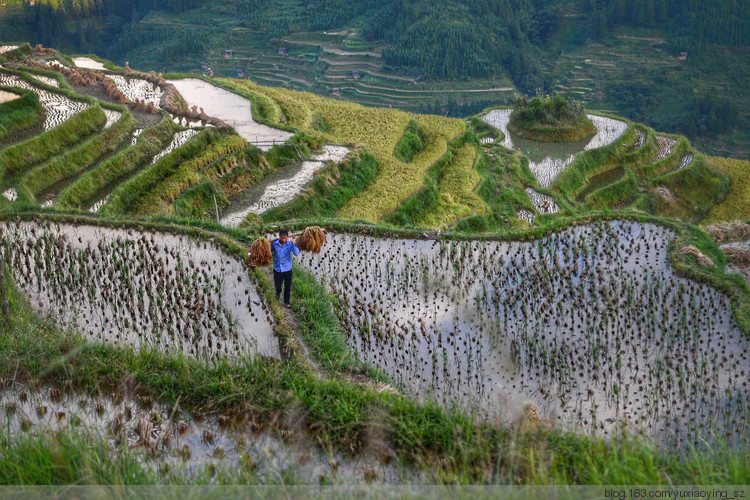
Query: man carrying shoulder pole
<point>282,250</point>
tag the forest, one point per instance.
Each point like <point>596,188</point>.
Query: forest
<point>456,40</point>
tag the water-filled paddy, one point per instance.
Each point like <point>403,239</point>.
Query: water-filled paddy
<point>57,107</point>
<point>7,96</point>
<point>548,160</point>
<point>135,288</point>
<point>136,88</point>
<point>279,187</point>
<point>591,325</point>
<point>173,438</point>
<point>88,63</point>
<point>233,109</point>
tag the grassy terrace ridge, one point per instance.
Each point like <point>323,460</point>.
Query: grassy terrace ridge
<point>17,159</point>
<point>20,115</point>
<point>550,120</point>
<point>103,178</point>
<point>457,447</point>
<point>378,130</point>
<point>77,158</point>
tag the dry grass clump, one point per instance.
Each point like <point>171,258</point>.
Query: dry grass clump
<point>666,194</point>
<point>311,239</point>
<point>738,256</point>
<point>731,231</point>
<point>702,258</point>
<point>260,253</point>
<point>738,197</point>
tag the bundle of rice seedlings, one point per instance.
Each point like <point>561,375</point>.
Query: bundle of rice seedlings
<point>738,256</point>
<point>702,258</point>
<point>722,233</point>
<point>260,253</point>
<point>312,239</point>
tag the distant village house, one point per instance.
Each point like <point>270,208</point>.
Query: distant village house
<point>282,51</point>
<point>336,91</point>
<point>682,56</point>
<point>228,53</point>
<point>355,74</point>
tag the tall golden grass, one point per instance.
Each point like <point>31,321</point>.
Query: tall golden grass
<point>376,129</point>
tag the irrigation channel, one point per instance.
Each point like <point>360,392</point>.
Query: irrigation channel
<point>279,187</point>
<point>547,160</point>
<point>231,108</point>
<point>134,288</point>
<point>591,326</point>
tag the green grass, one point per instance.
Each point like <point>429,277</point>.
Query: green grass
<point>331,189</point>
<point>318,325</point>
<point>20,115</point>
<point>410,143</point>
<point>456,447</point>
<point>17,159</point>
<point>550,120</point>
<point>158,186</point>
<point>105,176</point>
<point>77,158</point>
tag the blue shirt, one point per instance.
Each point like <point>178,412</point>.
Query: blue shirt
<point>282,256</point>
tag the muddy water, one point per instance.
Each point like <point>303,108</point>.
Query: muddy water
<point>279,187</point>
<point>11,194</point>
<point>547,160</point>
<point>232,108</point>
<point>57,107</point>
<point>88,63</point>
<point>124,287</point>
<point>592,326</point>
<point>172,437</point>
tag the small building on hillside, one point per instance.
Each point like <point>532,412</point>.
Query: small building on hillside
<point>204,65</point>
<point>336,91</point>
<point>228,53</point>
<point>682,56</point>
<point>282,51</point>
<point>355,74</point>
<point>240,73</point>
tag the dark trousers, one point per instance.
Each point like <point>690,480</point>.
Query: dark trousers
<point>286,280</point>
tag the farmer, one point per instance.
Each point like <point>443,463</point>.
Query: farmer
<point>282,251</point>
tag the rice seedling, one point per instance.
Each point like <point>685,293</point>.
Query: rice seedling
<point>129,288</point>
<point>491,326</point>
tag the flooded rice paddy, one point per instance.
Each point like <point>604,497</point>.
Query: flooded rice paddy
<point>744,269</point>
<point>57,107</point>
<point>7,96</point>
<point>591,326</point>
<point>179,139</point>
<point>88,63</point>
<point>174,439</point>
<point>11,194</point>
<point>136,88</point>
<point>131,288</point>
<point>7,48</point>
<point>279,187</point>
<point>233,109</point>
<point>46,80</point>
<point>666,145</point>
<point>544,204</point>
<point>686,161</point>
<point>548,160</point>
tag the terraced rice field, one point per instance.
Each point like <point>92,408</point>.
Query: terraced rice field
<point>591,326</point>
<point>548,160</point>
<point>280,187</point>
<point>130,288</point>
<point>135,88</point>
<point>88,63</point>
<point>57,107</point>
<point>7,96</point>
<point>666,145</point>
<point>544,204</point>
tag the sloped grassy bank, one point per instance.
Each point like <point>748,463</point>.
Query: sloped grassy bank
<point>333,411</point>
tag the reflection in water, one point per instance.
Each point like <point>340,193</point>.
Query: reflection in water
<point>591,325</point>
<point>235,110</point>
<point>88,63</point>
<point>547,159</point>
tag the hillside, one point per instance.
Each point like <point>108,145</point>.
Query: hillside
<point>458,58</point>
<point>477,308</point>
